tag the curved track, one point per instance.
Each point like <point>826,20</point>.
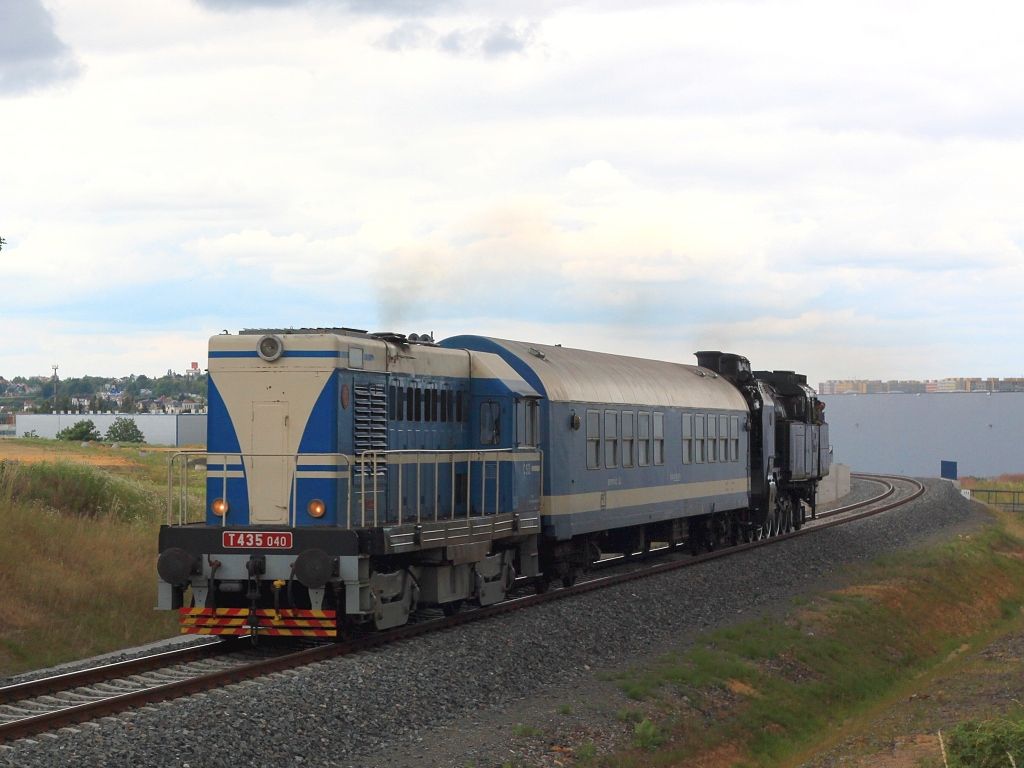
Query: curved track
<point>54,702</point>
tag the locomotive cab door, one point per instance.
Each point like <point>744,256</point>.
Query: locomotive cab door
<point>491,429</point>
<point>268,469</point>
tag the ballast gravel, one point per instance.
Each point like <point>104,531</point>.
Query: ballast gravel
<point>453,698</point>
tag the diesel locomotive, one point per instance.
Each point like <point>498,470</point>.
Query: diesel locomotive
<point>352,478</point>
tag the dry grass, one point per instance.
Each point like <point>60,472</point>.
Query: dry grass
<point>77,560</point>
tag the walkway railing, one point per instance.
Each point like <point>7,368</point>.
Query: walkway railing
<point>368,466</point>
<point>366,475</point>
<point>235,462</point>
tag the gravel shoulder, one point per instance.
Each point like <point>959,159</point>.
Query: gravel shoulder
<point>524,689</point>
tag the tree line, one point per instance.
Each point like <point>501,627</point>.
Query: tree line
<point>128,394</point>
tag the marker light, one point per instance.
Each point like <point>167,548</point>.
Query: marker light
<point>316,508</point>
<point>219,507</point>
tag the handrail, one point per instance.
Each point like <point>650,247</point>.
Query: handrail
<point>360,466</point>
<point>375,460</point>
<point>224,456</point>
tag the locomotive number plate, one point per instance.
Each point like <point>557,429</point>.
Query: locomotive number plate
<point>256,539</point>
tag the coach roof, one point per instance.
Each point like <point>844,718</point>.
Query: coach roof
<point>577,375</point>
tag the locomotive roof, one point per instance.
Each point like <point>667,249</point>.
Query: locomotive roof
<point>578,375</point>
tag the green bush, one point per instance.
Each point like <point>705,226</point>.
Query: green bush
<point>80,431</point>
<point>986,744</point>
<point>125,430</point>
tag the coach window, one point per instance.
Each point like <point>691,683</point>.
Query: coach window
<point>643,439</point>
<point>593,439</point>
<point>419,404</point>
<point>490,423</point>
<point>355,357</point>
<point>410,402</point>
<point>734,438</point>
<point>712,439</point>
<point>687,438</point>
<point>723,438</point>
<point>611,439</point>
<point>628,425</point>
<point>659,438</point>
<point>698,439</point>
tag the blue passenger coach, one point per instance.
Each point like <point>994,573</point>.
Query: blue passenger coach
<point>632,447</point>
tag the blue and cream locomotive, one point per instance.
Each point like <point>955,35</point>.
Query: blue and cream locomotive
<point>352,478</point>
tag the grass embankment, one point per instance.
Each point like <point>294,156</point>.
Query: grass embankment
<point>78,553</point>
<point>776,691</point>
<point>1001,483</point>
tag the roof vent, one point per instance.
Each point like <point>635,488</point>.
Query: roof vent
<point>536,353</point>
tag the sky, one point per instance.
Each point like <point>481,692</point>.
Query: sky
<point>830,187</point>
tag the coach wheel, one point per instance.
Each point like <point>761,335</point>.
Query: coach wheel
<point>541,585</point>
<point>450,609</point>
<point>570,577</point>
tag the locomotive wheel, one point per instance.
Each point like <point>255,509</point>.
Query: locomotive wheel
<point>570,578</point>
<point>541,585</point>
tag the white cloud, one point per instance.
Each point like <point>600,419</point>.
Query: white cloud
<point>790,177</point>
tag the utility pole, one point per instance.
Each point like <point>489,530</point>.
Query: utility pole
<point>55,386</point>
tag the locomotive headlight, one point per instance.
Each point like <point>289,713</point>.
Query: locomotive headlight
<point>219,507</point>
<point>316,508</point>
<point>270,347</point>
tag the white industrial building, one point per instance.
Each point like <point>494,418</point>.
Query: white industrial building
<point>912,434</point>
<point>158,428</point>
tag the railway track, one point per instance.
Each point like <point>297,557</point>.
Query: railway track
<point>51,703</point>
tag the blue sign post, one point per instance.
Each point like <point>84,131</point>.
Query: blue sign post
<point>947,470</point>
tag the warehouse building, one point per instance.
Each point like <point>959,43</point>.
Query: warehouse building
<point>912,434</point>
<point>179,429</point>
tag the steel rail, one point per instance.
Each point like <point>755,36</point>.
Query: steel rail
<point>66,681</point>
<point>120,702</point>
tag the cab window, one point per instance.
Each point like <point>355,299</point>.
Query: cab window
<point>490,423</point>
